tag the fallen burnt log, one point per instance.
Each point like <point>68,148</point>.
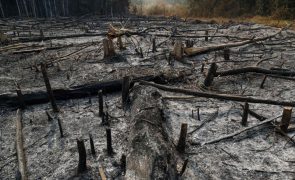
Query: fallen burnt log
<point>46,38</point>
<point>220,96</point>
<point>193,51</point>
<point>81,91</point>
<point>151,154</point>
<point>255,70</point>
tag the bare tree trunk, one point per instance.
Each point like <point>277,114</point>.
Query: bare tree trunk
<point>55,9</point>
<point>45,6</point>
<point>50,8</point>
<point>63,8</point>
<point>26,8</point>
<point>34,8</point>
<point>2,11</point>
<point>18,8</point>
<point>67,8</point>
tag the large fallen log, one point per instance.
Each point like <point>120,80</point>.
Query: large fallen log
<point>81,91</point>
<point>220,96</point>
<point>22,163</point>
<point>201,50</point>
<point>40,97</point>
<point>151,154</point>
<point>46,38</point>
<point>255,70</point>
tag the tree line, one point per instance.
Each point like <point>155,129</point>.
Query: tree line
<point>55,8</point>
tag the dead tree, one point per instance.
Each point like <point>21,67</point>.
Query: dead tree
<point>220,96</point>
<point>108,48</point>
<point>48,87</point>
<point>210,75</point>
<point>22,163</point>
<point>178,50</point>
<point>201,50</point>
<point>1,8</point>
<point>286,118</point>
<point>81,91</point>
<point>151,154</point>
<point>82,167</point>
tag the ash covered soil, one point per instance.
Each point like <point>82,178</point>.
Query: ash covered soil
<point>260,153</point>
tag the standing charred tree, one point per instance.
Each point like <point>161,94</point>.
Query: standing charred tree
<point>2,11</point>
<point>18,8</point>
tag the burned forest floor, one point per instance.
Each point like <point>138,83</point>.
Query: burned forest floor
<point>166,51</point>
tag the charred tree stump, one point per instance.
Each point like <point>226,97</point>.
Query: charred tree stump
<point>48,88</point>
<point>106,51</point>
<point>178,50</point>
<point>245,114</point>
<point>92,145</point>
<point>125,91</point>
<point>20,96</point>
<point>286,118</point>
<point>110,150</point>
<point>100,101</point>
<point>206,35</point>
<point>108,48</point>
<point>141,53</point>
<point>106,121</point>
<point>60,127</point>
<point>202,67</point>
<point>82,167</point>
<point>150,153</point>
<point>189,43</point>
<point>182,139</point>
<point>49,116</point>
<point>226,54</point>
<point>210,75</point>
<point>22,163</point>
<point>183,167</point>
<point>123,164</point>
<point>154,49</point>
<point>41,34</point>
<point>120,43</point>
<point>263,82</point>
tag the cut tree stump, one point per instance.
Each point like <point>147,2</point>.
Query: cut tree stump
<point>108,48</point>
<point>210,75</point>
<point>286,118</point>
<point>20,96</point>
<point>151,155</point>
<point>245,114</point>
<point>182,139</point>
<point>82,167</point>
<point>178,50</point>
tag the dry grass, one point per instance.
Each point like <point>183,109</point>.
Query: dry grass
<point>269,21</point>
<point>162,8</point>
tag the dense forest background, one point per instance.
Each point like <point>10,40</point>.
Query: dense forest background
<point>54,8</point>
<point>282,9</point>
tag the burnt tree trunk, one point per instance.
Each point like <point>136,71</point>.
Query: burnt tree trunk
<point>151,154</point>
